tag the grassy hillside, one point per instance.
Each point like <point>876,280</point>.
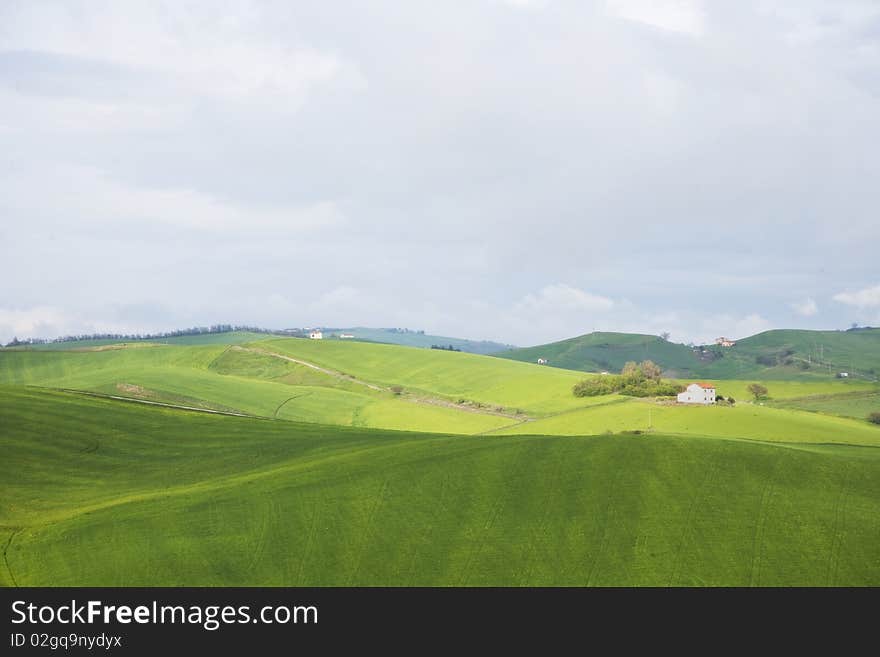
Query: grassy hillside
<point>745,421</point>
<point>354,384</point>
<point>216,377</point>
<point>855,404</point>
<point>597,352</point>
<point>774,355</point>
<point>98,492</point>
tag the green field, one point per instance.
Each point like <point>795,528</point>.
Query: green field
<point>498,475</point>
<point>98,492</point>
<point>855,404</point>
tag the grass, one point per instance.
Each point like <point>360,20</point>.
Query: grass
<point>441,391</point>
<point>771,355</point>
<point>98,492</point>
<point>218,377</point>
<point>856,404</point>
<point>335,482</point>
<point>744,421</point>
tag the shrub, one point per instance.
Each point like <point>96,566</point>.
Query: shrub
<point>625,385</point>
<point>874,417</point>
<point>397,389</point>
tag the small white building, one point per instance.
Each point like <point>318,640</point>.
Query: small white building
<point>698,393</point>
<point>346,336</point>
<point>724,342</point>
<point>316,334</point>
<point>542,361</point>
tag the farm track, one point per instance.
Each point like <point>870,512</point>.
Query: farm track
<point>837,535</point>
<point>318,368</point>
<point>369,530</point>
<point>687,530</point>
<point>607,512</point>
<point>416,399</point>
<point>501,500</point>
<point>758,539</point>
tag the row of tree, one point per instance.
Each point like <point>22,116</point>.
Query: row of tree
<point>195,330</point>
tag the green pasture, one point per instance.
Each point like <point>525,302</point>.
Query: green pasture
<point>101,492</point>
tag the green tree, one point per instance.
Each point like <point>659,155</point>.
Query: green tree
<point>757,390</point>
<point>650,370</point>
<point>631,373</point>
<point>874,417</point>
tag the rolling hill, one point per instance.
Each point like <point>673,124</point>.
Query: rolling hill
<point>99,492</point>
<point>777,354</point>
<point>354,384</point>
<point>285,461</point>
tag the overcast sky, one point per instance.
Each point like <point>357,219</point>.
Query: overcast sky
<point>517,170</point>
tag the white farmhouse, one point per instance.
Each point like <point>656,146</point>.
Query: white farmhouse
<point>697,393</point>
<point>316,334</point>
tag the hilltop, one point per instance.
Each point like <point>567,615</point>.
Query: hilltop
<point>414,338</point>
<point>777,354</point>
<point>228,334</point>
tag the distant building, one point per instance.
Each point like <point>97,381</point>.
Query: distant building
<point>724,342</point>
<point>345,336</point>
<point>542,361</point>
<point>843,375</point>
<point>316,334</point>
<point>698,393</point>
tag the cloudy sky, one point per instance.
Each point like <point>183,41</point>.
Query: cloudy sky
<point>519,170</point>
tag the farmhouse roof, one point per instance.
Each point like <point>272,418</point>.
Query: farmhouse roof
<point>707,386</point>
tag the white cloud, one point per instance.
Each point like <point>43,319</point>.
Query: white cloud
<point>524,4</point>
<point>685,16</point>
<point>805,308</point>
<point>212,50</point>
<point>707,328</point>
<point>106,204</point>
<point>51,322</point>
<point>31,322</point>
<point>869,297</point>
<point>563,298</point>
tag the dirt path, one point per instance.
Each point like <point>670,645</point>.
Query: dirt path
<point>431,401</point>
<point>323,370</point>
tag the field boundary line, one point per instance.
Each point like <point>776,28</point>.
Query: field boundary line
<point>103,395</point>
<point>275,414</point>
<point>6,556</point>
